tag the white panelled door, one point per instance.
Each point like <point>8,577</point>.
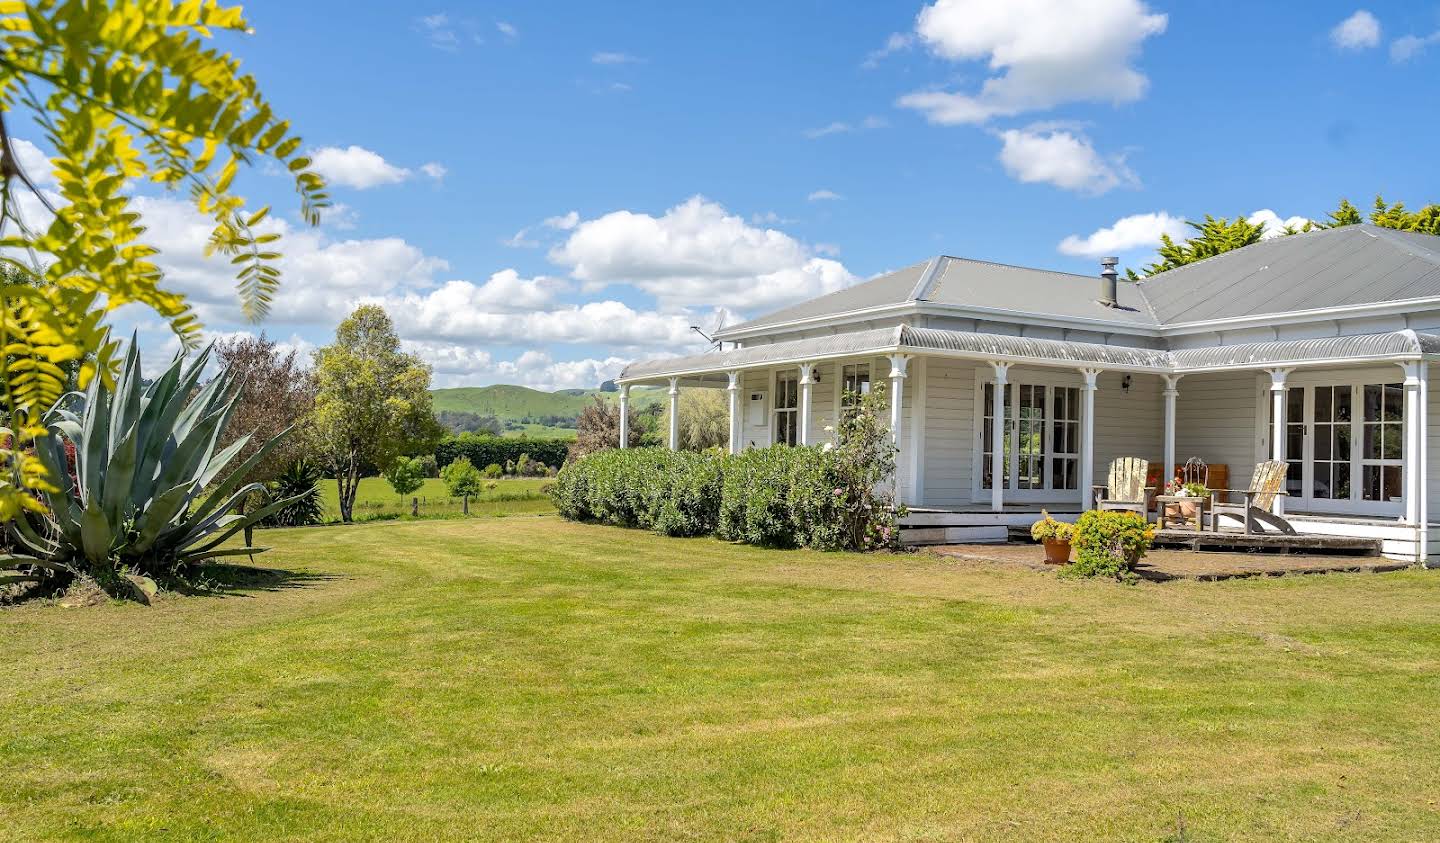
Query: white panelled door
<point>1041,446</point>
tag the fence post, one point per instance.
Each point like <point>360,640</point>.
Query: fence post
<point>414,507</point>
<point>465,504</point>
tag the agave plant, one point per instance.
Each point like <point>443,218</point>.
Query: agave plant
<point>141,497</point>
<point>301,484</point>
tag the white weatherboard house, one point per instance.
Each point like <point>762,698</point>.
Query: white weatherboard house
<point>1314,349</point>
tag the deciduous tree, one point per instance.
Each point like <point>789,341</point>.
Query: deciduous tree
<point>372,402</point>
<point>277,392</point>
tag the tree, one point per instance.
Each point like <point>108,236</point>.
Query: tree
<point>1216,235</point>
<point>277,392</point>
<point>123,91</point>
<point>598,427</point>
<point>405,475</point>
<point>704,419</point>
<point>462,478</point>
<point>372,401</point>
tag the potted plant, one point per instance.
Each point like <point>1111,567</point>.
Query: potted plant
<point>1186,510</point>
<point>1056,537</point>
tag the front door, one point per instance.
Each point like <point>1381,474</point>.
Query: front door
<point>1041,444</point>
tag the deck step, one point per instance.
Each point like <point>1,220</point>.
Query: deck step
<point>1313,543</point>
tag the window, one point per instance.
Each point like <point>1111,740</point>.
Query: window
<point>1344,446</point>
<point>1041,443</point>
<point>854,380</point>
<point>1065,439</point>
<point>988,439</point>
<point>1331,480</point>
<point>1380,452</point>
<point>787,402</point>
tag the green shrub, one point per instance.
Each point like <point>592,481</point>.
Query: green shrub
<point>461,478</point>
<point>301,484</point>
<point>825,497</point>
<point>428,465</point>
<point>405,475</point>
<point>1108,544</point>
<point>483,450</point>
<point>493,470</point>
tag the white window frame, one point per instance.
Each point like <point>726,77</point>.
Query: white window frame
<point>1356,379</point>
<point>1016,377</point>
<point>776,409</point>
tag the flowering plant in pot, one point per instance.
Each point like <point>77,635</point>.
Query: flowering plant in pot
<point>1188,510</point>
<point>1056,536</point>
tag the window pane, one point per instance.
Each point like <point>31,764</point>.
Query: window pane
<point>1370,488</point>
<point>1294,440</point>
<point>1371,446</point>
<point>1372,402</point>
<point>1322,484</point>
<point>1323,440</point>
<point>1391,438</point>
<point>1342,481</point>
<point>1322,404</point>
<point>1394,402</point>
<point>1390,478</point>
<point>1342,443</point>
<point>1342,403</point>
<point>1294,403</point>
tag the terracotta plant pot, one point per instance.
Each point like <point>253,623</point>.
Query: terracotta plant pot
<point>1057,552</point>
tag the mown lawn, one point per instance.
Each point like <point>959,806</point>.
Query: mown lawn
<point>376,500</point>
<point>528,677</point>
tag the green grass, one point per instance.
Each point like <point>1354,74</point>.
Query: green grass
<point>541,431</point>
<point>376,500</point>
<point>532,678</point>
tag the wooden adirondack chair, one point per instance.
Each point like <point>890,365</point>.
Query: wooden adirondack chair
<point>1267,482</point>
<point>1126,489</point>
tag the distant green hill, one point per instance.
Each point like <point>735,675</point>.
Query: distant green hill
<point>511,403</point>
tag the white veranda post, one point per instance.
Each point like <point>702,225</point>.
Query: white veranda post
<point>1172,394</point>
<point>734,390</point>
<point>997,438</point>
<point>624,415</point>
<point>1412,445</point>
<point>1087,439</point>
<point>807,370</point>
<point>674,414</point>
<point>1277,426</point>
<point>898,366</point>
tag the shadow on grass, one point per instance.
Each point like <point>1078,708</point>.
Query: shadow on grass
<point>229,580</point>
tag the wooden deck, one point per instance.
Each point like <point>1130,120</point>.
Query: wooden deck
<point>1169,564</point>
<point>1271,543</point>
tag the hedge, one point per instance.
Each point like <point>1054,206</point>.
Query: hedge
<point>484,450</point>
<point>778,496</point>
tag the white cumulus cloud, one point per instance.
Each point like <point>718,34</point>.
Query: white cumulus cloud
<point>1275,225</point>
<point>824,196</point>
<point>1360,31</point>
<point>1407,47</point>
<point>698,254</point>
<point>1043,53</point>
<point>361,168</point>
<point>1066,159</point>
<point>1137,231</point>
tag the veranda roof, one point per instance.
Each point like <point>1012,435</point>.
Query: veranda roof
<point>1394,346</point>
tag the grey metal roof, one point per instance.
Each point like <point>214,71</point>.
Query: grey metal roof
<point>973,283</point>
<point>1352,265</point>
<point>1393,345</point>
<point>1402,344</point>
<point>890,288</point>
<point>961,281</point>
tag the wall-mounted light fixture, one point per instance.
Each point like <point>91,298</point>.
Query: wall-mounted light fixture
<point>1125,384</point>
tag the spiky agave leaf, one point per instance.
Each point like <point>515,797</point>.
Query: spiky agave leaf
<point>146,458</point>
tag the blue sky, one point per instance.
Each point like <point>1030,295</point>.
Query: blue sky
<point>691,159</point>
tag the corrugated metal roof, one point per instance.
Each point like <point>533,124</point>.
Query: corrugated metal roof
<point>1010,347</point>
<point>1357,264</point>
<point>973,283</point>
<point>1362,346</point>
<point>890,288</point>
<point>1395,344</point>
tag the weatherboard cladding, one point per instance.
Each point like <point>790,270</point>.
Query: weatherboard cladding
<point>904,338</point>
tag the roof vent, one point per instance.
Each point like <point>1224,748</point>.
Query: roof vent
<point>1109,282</point>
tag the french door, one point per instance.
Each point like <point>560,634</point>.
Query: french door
<point>1343,447</point>
<point>1041,443</point>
